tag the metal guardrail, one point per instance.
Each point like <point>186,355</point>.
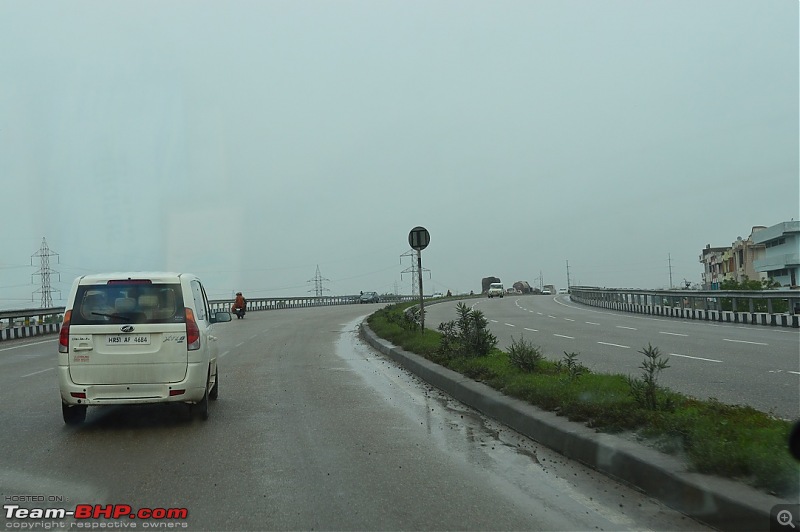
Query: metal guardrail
<point>762,307</point>
<point>48,320</point>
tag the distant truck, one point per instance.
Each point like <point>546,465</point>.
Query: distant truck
<point>548,290</point>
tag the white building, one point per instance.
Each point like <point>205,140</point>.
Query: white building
<point>781,260</point>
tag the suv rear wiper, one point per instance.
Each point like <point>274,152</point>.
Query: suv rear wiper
<point>121,317</point>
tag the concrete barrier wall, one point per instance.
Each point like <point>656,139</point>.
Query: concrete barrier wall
<point>720,316</point>
<point>13,333</point>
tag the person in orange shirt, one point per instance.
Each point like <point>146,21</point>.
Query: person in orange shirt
<point>240,305</point>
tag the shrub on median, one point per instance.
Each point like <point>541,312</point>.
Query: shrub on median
<point>732,441</point>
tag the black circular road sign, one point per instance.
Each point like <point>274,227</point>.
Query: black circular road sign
<point>419,238</point>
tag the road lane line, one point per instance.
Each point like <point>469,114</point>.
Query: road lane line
<point>744,342</point>
<point>562,336</point>
<point>549,316</point>
<point>615,345</point>
<point>672,334</point>
<point>629,328</point>
<point>223,354</point>
<point>569,319</point>
<point>36,372</point>
<point>795,372</point>
<point>592,323</point>
<point>539,313</point>
<point>531,330</point>
<point>26,345</point>
<point>510,325</point>
<point>493,321</point>
<point>696,358</point>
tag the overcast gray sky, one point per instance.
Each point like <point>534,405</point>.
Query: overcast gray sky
<point>249,142</point>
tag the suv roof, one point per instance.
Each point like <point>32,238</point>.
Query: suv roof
<point>153,276</point>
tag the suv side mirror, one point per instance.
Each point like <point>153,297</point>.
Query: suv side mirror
<point>219,317</point>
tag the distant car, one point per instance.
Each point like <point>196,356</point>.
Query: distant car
<point>563,291</point>
<point>134,338</point>
<point>495,290</point>
<point>437,294</point>
<point>547,292</point>
<point>369,297</point>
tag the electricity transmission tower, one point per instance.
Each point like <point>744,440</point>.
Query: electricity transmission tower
<point>45,272</point>
<point>317,280</point>
<point>413,271</point>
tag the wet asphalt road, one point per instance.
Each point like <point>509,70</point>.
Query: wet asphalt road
<point>312,430</point>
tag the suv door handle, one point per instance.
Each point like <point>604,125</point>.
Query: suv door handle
<point>86,348</point>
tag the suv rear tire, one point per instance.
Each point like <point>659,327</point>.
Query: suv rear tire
<point>215,390</point>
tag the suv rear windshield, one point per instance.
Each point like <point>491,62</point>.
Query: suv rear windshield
<point>122,302</point>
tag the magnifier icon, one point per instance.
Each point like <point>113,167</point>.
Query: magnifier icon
<point>785,518</point>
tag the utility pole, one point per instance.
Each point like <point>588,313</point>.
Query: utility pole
<point>45,272</point>
<point>413,270</point>
<point>568,285</point>
<point>541,281</point>
<point>669,259</point>
<point>317,280</point>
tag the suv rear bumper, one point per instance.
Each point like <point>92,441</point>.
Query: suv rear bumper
<point>194,386</point>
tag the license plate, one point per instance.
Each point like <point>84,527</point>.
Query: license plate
<point>128,339</point>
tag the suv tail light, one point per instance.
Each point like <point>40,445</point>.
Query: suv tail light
<point>63,335</point>
<point>192,331</point>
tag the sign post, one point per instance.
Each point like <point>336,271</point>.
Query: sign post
<point>418,239</point>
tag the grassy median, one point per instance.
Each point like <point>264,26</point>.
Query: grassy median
<point>736,442</point>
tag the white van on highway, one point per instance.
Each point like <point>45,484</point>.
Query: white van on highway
<point>495,290</point>
<point>137,337</point>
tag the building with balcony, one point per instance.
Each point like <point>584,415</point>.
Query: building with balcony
<point>734,263</point>
<point>712,267</point>
<point>781,259</point>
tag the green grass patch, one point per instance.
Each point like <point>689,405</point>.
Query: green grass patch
<point>731,441</point>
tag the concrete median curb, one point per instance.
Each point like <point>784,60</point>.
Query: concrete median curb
<point>718,502</point>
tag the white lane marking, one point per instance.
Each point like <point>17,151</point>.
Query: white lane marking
<point>629,328</point>
<point>493,321</point>
<point>26,345</point>
<point>36,372</point>
<point>696,358</point>
<point>549,316</point>
<point>240,344</point>
<point>569,319</point>
<point>223,354</point>
<point>672,334</point>
<point>795,372</point>
<point>592,323</point>
<point>615,345</point>
<point>562,336</point>
<point>510,325</point>
<point>539,313</point>
<point>743,342</point>
<point>531,330</point>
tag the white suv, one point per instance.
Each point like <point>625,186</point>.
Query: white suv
<point>495,289</point>
<point>137,337</point>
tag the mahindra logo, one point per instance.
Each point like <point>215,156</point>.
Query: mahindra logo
<point>126,328</point>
